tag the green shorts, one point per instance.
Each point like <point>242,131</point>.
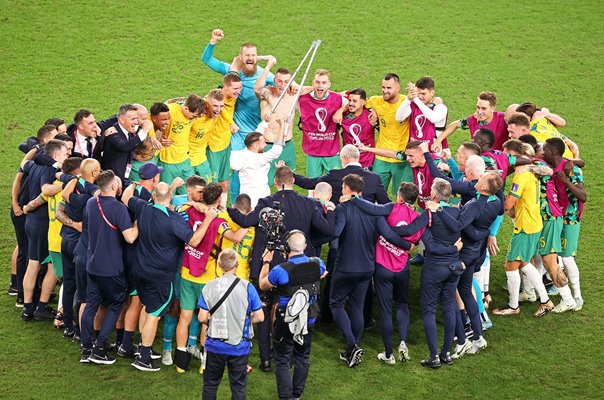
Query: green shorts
<point>523,246</point>
<point>136,165</point>
<point>288,155</point>
<point>549,242</point>
<point>57,263</point>
<point>190,292</point>
<point>204,171</point>
<point>171,171</point>
<point>397,172</point>
<point>220,163</point>
<point>570,239</point>
<point>319,166</point>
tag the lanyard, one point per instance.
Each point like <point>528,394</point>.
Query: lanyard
<point>98,203</point>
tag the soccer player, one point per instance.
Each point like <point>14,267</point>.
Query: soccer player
<point>247,108</point>
<point>173,156</point>
<point>243,248</point>
<point>40,181</point>
<point>320,140</point>
<point>228,305</point>
<point>523,204</point>
<point>162,234</point>
<point>426,118</point>
<point>544,125</point>
<point>200,131</point>
<point>393,135</point>
<point>518,125</point>
<point>571,196</point>
<point>108,226</point>
<point>253,163</point>
<point>484,117</point>
<point>268,96</point>
<point>219,140</point>
<point>356,127</point>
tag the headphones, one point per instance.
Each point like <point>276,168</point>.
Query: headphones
<point>288,236</point>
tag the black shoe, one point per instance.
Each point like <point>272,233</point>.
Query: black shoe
<point>48,314</point>
<point>25,316</point>
<point>76,338</point>
<point>12,291</point>
<point>69,333</point>
<point>446,359</point>
<point>126,353</point>
<point>111,347</point>
<point>19,303</point>
<point>370,324</point>
<point>100,356</point>
<point>355,356</point>
<point>85,355</point>
<point>433,363</point>
<point>265,366</point>
<point>147,367</point>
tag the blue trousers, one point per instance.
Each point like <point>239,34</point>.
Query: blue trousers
<point>438,284</point>
<point>107,290</point>
<point>212,375</point>
<point>464,287</point>
<point>349,288</point>
<point>19,224</point>
<point>69,280</point>
<point>389,285</point>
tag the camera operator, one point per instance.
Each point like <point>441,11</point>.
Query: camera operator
<point>298,284</point>
<point>301,213</point>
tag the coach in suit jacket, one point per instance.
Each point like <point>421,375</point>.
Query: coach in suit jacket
<point>88,134</point>
<point>349,156</point>
<point>118,147</point>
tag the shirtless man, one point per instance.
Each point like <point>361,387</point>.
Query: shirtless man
<point>268,96</point>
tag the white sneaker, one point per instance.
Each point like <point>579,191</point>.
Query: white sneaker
<point>526,297</point>
<point>194,350</point>
<point>478,345</point>
<point>460,350</point>
<point>388,360</point>
<point>166,357</point>
<point>403,352</point>
<point>564,306</point>
<point>579,303</point>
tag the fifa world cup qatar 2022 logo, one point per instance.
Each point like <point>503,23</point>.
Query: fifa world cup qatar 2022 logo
<point>321,115</point>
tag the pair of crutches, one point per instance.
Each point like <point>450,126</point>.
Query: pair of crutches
<point>314,46</point>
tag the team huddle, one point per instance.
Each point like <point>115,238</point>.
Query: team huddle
<point>129,215</point>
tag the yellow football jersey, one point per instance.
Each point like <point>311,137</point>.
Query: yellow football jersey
<point>525,187</point>
<point>542,129</point>
<point>393,135</point>
<point>54,226</point>
<point>198,139</point>
<point>220,136</point>
<point>243,248</point>
<point>178,132</point>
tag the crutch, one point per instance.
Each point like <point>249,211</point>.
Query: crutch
<point>292,110</point>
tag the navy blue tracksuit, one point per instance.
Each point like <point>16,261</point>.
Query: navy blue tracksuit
<point>355,265</point>
<point>437,281</point>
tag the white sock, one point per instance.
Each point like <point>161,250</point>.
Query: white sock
<point>60,304</point>
<point>527,285</point>
<point>513,287</point>
<point>535,277</point>
<point>478,276</point>
<point>565,294</point>
<point>181,348</point>
<point>572,270</point>
<point>538,263</point>
<point>486,272</point>
<point>223,199</point>
<point>560,263</point>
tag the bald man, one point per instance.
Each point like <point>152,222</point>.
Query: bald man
<point>163,234</point>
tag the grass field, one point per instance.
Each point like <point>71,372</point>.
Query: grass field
<point>59,56</point>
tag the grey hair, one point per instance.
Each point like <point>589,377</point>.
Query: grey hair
<point>350,152</point>
<point>475,164</point>
<point>297,242</point>
<point>227,260</point>
<point>441,189</point>
<point>323,188</point>
<point>124,108</point>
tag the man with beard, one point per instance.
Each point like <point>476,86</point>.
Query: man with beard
<point>247,108</point>
<point>268,97</point>
<point>252,163</point>
<point>356,127</point>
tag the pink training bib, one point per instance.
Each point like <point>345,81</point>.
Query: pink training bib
<point>319,132</point>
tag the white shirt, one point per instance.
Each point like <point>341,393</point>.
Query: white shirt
<point>141,133</point>
<point>82,144</point>
<point>253,171</point>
